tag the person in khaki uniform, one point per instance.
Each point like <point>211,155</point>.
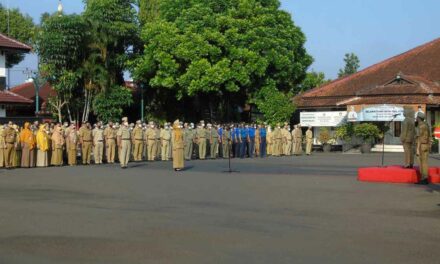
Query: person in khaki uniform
<point>201,140</point>
<point>284,139</point>
<point>226,142</point>
<point>86,140</point>
<point>150,140</point>
<point>213,141</point>
<point>269,141</point>
<point>110,142</point>
<point>288,141</point>
<point>10,136</point>
<point>165,138</point>
<point>57,146</point>
<point>309,141</point>
<point>178,146</point>
<point>278,138</point>
<point>138,141</point>
<point>408,136</point>
<point>124,144</point>
<point>71,144</point>
<point>98,143</point>
<point>157,143</point>
<point>257,141</point>
<point>424,141</point>
<point>297,134</point>
<point>2,146</point>
<point>188,136</point>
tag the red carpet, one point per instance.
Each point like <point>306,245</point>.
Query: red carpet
<point>434,175</point>
<point>390,174</point>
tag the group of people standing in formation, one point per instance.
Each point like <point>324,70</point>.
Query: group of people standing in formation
<point>43,145</point>
<point>416,134</point>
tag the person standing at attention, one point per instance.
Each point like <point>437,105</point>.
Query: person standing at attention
<point>178,146</point>
<point>27,140</point>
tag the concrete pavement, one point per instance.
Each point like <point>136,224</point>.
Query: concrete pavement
<point>275,210</point>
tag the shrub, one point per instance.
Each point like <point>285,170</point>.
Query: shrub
<point>345,132</point>
<point>367,131</point>
<point>324,135</point>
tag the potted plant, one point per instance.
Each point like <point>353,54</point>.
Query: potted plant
<point>369,133</point>
<point>324,138</point>
<point>345,133</point>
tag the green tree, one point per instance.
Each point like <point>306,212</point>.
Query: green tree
<point>20,27</point>
<point>148,11</point>
<point>61,47</point>
<point>113,29</point>
<point>220,50</point>
<point>109,106</point>
<point>313,79</point>
<point>275,105</point>
<point>352,64</point>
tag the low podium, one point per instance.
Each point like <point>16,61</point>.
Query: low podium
<point>396,174</point>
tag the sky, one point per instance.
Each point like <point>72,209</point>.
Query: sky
<point>372,29</point>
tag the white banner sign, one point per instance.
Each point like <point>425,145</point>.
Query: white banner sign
<point>381,113</point>
<point>323,119</point>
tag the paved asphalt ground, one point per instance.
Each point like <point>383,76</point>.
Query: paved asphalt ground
<point>275,210</point>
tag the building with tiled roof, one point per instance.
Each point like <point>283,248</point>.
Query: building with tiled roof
<point>380,91</point>
<point>8,43</point>
<point>11,104</point>
<point>28,91</point>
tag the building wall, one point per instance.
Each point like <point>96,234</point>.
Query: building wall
<point>2,65</point>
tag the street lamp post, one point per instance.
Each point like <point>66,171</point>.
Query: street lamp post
<point>142,101</point>
<point>37,93</point>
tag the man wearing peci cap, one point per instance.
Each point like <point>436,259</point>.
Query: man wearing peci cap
<point>201,140</point>
<point>86,139</point>
<point>150,141</point>
<point>98,143</point>
<point>138,141</point>
<point>188,136</point>
<point>213,141</point>
<point>424,141</point>
<point>110,142</point>
<point>407,136</point>
<point>124,144</point>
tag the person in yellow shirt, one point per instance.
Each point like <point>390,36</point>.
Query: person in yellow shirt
<point>27,140</point>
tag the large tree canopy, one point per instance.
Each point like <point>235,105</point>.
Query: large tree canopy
<point>222,47</point>
<point>20,27</point>
<point>61,45</point>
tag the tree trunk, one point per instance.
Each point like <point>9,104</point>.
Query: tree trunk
<point>69,113</point>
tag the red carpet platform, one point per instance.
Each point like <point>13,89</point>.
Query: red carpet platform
<point>434,175</point>
<point>390,174</point>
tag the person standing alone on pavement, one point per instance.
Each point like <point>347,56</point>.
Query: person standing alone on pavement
<point>124,144</point>
<point>178,146</point>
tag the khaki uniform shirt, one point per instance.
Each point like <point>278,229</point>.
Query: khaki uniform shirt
<point>408,131</point>
<point>138,134</point>
<point>309,135</point>
<point>98,135</point>
<point>188,135</point>
<point>86,135</point>
<point>165,134</point>
<point>109,133</point>
<point>10,135</point>
<point>150,135</point>
<point>124,133</point>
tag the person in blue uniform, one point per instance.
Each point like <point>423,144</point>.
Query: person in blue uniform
<point>263,134</point>
<point>251,141</point>
<point>236,140</point>
<point>243,138</point>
